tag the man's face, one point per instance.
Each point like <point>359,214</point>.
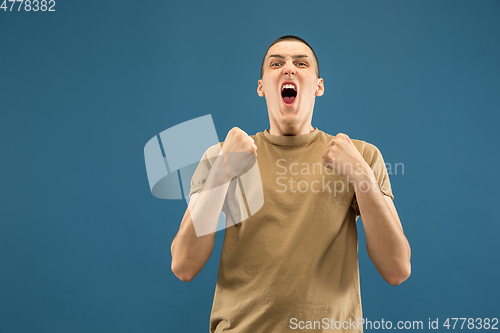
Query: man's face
<point>290,85</point>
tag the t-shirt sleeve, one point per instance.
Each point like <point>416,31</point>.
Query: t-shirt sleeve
<point>374,158</point>
<point>201,173</point>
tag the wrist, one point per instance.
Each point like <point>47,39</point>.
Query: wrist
<point>363,178</point>
<point>219,173</point>
<point>222,156</point>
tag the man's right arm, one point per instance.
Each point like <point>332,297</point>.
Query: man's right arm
<point>193,244</point>
<point>190,252</point>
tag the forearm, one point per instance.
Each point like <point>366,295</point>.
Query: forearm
<point>193,244</point>
<point>386,243</point>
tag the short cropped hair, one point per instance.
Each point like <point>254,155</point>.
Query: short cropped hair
<point>289,38</point>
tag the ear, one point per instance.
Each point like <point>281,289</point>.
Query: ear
<point>320,90</point>
<point>260,89</point>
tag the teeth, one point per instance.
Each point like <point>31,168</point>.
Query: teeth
<point>288,86</point>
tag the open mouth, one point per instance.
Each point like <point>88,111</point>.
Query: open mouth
<point>288,93</point>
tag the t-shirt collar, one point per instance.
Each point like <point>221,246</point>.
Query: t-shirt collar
<point>291,140</point>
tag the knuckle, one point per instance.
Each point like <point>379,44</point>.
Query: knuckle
<point>234,130</point>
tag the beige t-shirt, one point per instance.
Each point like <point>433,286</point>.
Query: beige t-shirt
<point>295,262</point>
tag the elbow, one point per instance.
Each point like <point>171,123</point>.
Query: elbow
<point>395,281</point>
<point>184,277</point>
<point>400,276</point>
<point>182,274</point>
<point>178,269</point>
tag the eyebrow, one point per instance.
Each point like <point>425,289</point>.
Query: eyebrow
<point>293,57</point>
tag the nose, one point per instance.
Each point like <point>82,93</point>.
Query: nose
<point>288,70</point>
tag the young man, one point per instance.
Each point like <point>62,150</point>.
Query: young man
<point>293,264</point>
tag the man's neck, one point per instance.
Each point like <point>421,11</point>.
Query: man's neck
<point>291,130</point>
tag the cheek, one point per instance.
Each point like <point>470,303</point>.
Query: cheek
<point>311,88</point>
<point>269,91</point>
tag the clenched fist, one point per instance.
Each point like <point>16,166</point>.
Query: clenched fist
<point>238,150</point>
<point>342,156</point>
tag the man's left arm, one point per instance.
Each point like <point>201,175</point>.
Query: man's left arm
<point>386,242</point>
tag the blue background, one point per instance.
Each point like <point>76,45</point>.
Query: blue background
<point>85,247</point>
